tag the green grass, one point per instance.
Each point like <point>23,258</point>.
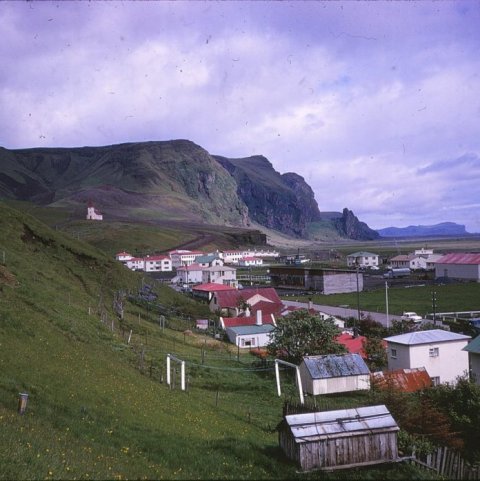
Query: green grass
<point>449,298</point>
<point>99,406</point>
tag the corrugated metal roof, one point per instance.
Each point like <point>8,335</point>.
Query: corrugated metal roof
<point>406,380</point>
<point>473,346</point>
<point>231,298</point>
<point>309,427</point>
<point>246,321</point>
<point>335,365</point>
<point>212,287</point>
<point>243,330</point>
<point>460,258</point>
<point>426,337</point>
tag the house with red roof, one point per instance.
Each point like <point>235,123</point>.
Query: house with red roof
<point>232,303</point>
<point>206,291</point>
<point>159,263</point>
<point>249,331</point>
<point>123,256</point>
<point>459,265</point>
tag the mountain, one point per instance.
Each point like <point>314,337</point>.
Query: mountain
<point>174,180</point>
<point>281,202</point>
<point>443,228</point>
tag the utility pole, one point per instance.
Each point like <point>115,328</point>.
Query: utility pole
<point>386,301</point>
<point>355,327</point>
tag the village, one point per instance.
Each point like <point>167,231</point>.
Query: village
<point>248,310</point>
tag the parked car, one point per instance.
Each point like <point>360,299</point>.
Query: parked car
<point>411,316</point>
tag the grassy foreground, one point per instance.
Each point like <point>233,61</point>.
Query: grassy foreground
<point>99,406</point>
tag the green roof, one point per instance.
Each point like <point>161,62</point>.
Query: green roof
<point>473,346</point>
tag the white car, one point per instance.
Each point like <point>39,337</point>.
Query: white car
<point>411,316</point>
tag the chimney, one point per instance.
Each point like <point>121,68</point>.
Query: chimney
<point>259,318</point>
<point>247,312</point>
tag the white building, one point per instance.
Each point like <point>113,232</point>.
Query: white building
<point>158,264</point>
<point>184,257</point>
<point>362,259</point>
<point>92,213</point>
<point>220,275</point>
<point>250,336</point>
<point>123,256</point>
<point>191,274</point>
<point>459,266</point>
<point>251,261</point>
<point>439,352</point>
<point>473,349</point>
<point>136,263</point>
<point>233,256</point>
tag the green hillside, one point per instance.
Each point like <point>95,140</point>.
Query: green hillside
<point>99,406</point>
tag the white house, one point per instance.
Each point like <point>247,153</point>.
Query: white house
<point>158,264</point>
<point>233,256</point>
<point>439,352</point>
<point>459,266</point>
<point>182,257</point>
<point>250,336</point>
<point>191,274</point>
<point>209,260</point>
<point>123,256</point>
<point>250,261</point>
<point>92,213</point>
<point>220,275</point>
<point>362,259</point>
<point>136,263</point>
<point>331,373</point>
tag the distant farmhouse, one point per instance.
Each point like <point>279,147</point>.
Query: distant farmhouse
<point>362,259</point>
<point>92,213</point>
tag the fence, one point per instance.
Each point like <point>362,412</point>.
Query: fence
<point>449,464</point>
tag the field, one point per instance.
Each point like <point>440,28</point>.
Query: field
<point>448,298</point>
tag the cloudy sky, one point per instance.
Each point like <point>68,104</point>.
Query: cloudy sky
<point>376,105</point>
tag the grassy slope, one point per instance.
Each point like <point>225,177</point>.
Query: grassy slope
<point>99,407</point>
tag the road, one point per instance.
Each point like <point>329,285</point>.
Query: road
<point>346,312</point>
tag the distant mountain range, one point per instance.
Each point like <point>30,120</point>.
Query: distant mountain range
<point>444,228</point>
<point>173,180</point>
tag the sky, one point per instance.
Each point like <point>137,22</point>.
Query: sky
<point>375,104</point>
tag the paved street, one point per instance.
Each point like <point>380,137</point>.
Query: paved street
<point>345,312</point>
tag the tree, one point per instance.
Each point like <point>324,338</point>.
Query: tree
<point>376,353</point>
<point>301,334</point>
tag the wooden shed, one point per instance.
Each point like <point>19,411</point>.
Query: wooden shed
<point>340,439</point>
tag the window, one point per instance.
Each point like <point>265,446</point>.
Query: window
<point>433,352</point>
<point>394,354</point>
<point>435,380</point>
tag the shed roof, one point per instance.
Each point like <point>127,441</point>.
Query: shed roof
<point>406,380</point>
<point>254,329</point>
<point>427,337</point>
<point>335,365</point>
<point>316,426</point>
<point>460,258</point>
